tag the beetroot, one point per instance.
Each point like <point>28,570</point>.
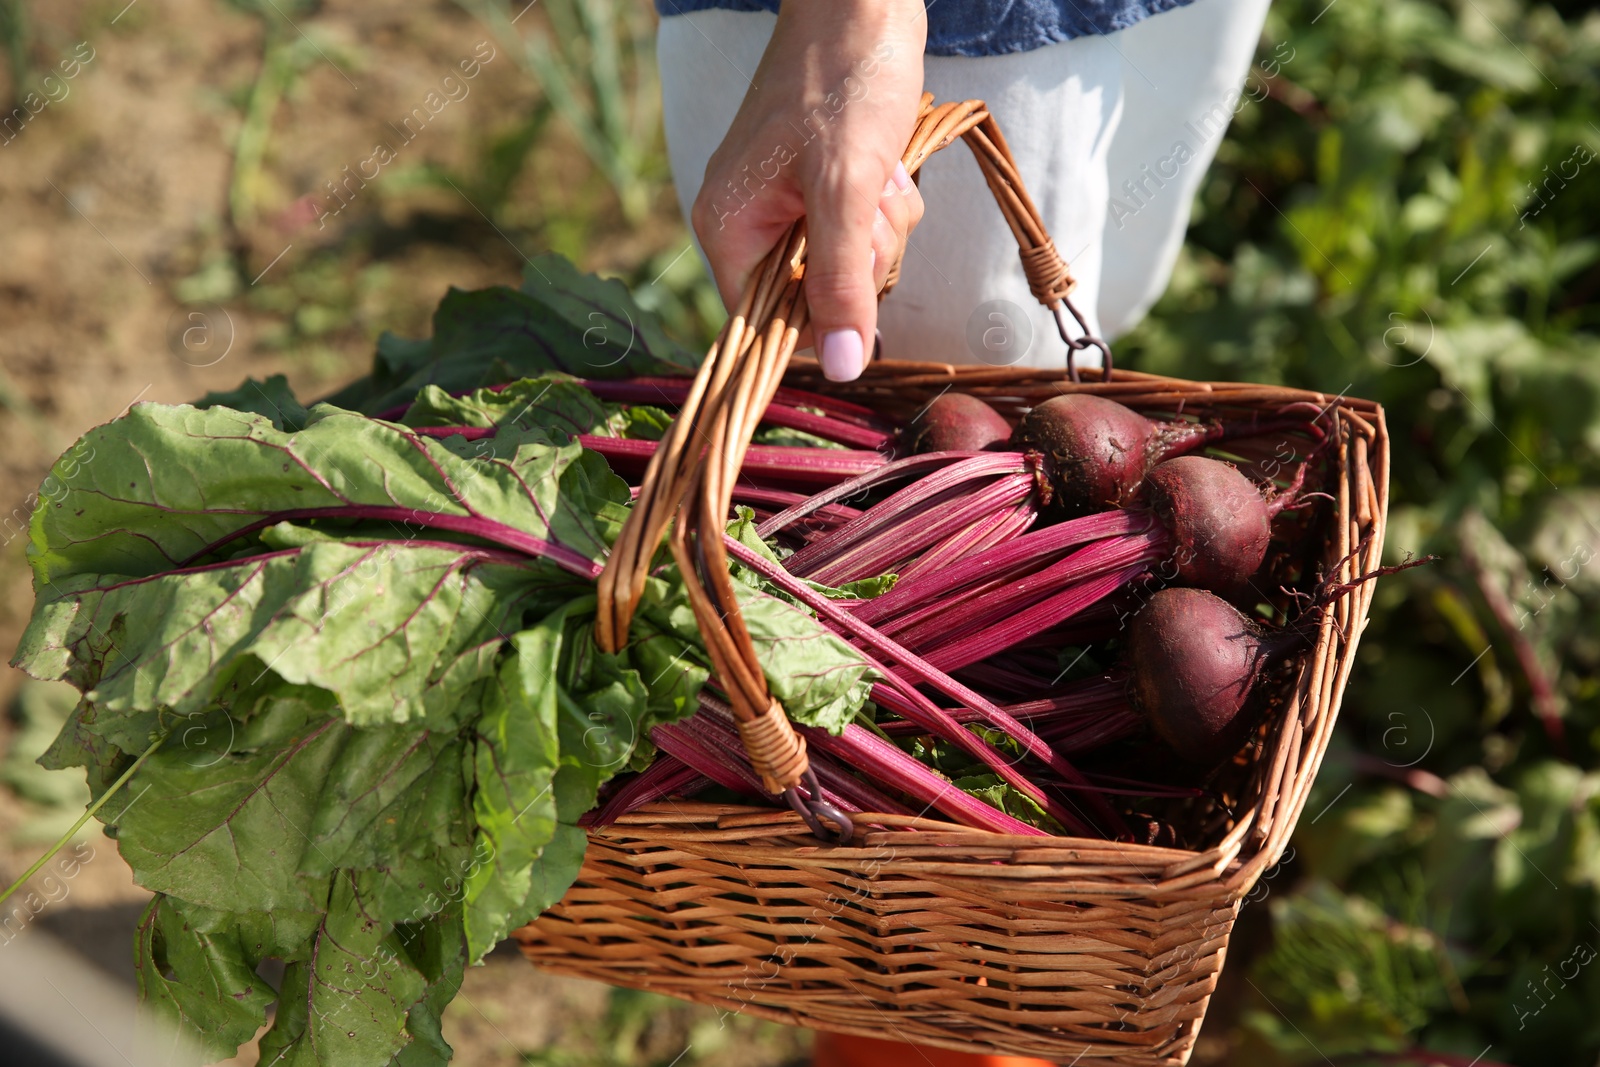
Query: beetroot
<point>1194,661</point>
<point>956,422</point>
<point>1097,452</point>
<point>1219,521</point>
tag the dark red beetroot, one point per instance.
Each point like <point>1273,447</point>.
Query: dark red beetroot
<point>956,422</point>
<point>1219,521</point>
<point>1098,452</point>
<point>1194,662</point>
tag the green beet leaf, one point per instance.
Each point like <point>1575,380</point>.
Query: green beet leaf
<point>168,482</point>
<point>197,968</point>
<point>548,403</point>
<point>398,633</point>
<point>516,755</point>
<point>349,999</point>
<point>272,398</point>
<point>559,320</point>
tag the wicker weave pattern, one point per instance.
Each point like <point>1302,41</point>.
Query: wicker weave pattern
<point>941,935</point>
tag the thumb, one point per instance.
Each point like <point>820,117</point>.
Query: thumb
<point>840,206</point>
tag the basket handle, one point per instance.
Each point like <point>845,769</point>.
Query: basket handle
<point>691,475</point>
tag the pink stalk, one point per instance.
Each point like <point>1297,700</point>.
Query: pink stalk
<point>767,463</point>
<point>716,718</point>
<point>697,745</point>
<point>470,433</point>
<point>997,675</point>
<point>986,533</point>
<point>952,513</point>
<point>818,467</point>
<point>665,777</point>
<point>673,392</point>
<point>1075,735</point>
<point>900,468</point>
<point>1088,698</point>
<point>935,717</point>
<point>787,412</point>
<point>906,506</point>
<point>760,496</point>
<point>1011,624</point>
<point>494,532</point>
<point>1005,561</point>
<point>1096,724</point>
<point>708,742</point>
<point>871,754</point>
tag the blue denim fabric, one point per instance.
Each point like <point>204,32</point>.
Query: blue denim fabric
<point>989,27</point>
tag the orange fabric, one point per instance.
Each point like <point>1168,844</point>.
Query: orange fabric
<point>841,1050</point>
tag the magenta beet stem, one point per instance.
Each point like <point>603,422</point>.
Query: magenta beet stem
<point>708,742</point>
<point>919,527</point>
<point>1003,562</point>
<point>968,613</point>
<point>665,777</point>
<point>785,413</point>
<point>775,463</point>
<point>900,468</point>
<point>762,496</point>
<point>716,717</point>
<point>494,532</point>
<point>871,754</point>
<point>1072,735</point>
<point>986,533</point>
<point>1099,571</point>
<point>673,392</point>
<point>902,507</point>
<point>936,717</point>
<point>1088,697</point>
<point>697,747</point>
<point>471,433</point>
<point>781,463</point>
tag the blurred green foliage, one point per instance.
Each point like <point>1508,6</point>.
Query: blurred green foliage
<point>1409,216</point>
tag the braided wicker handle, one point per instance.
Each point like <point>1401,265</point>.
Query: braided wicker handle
<point>691,474</point>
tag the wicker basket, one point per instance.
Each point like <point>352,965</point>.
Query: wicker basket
<point>937,934</point>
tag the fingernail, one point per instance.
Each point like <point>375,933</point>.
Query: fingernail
<point>902,180</point>
<point>842,355</point>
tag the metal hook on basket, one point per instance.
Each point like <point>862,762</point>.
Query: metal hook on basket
<point>814,809</point>
<point>1078,344</point>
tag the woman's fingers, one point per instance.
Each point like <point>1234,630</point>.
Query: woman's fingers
<point>899,211</point>
<point>830,108</point>
<point>841,207</point>
<point>736,231</point>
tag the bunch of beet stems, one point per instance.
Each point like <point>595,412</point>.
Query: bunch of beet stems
<point>968,585</point>
<point>991,596</point>
<point>899,693</point>
<point>703,749</point>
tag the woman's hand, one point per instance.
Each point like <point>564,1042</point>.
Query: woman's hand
<point>819,134</point>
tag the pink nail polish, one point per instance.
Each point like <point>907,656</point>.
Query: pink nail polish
<point>902,180</point>
<point>841,355</point>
